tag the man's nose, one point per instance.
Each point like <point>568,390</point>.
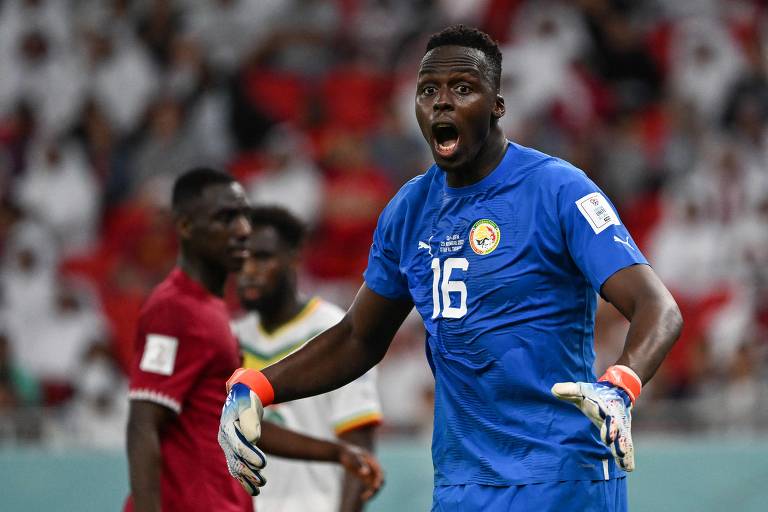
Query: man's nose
<point>242,226</point>
<point>442,100</point>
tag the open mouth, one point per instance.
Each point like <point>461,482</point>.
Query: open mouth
<point>446,139</point>
<point>250,293</point>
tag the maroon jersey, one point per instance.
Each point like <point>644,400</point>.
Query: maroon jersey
<point>185,351</point>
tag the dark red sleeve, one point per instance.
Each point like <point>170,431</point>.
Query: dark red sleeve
<point>169,356</point>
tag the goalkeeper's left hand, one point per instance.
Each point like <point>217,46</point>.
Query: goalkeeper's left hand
<point>608,404</point>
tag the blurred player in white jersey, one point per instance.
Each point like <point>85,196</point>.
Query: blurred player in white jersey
<point>278,321</point>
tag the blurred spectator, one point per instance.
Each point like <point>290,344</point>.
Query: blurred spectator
<point>165,151</point>
<point>302,37</point>
<point>705,65</point>
<point>122,78</point>
<point>45,75</point>
<point>355,194</point>
<point>51,346</point>
<point>27,275</point>
<point>97,413</point>
<point>229,29</point>
<point>538,66</point>
<point>106,153</point>
<point>288,173</point>
<point>59,190</point>
<point>400,154</point>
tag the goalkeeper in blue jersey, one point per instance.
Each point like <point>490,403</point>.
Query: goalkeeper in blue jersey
<point>502,250</point>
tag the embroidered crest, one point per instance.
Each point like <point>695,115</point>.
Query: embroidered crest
<point>484,236</point>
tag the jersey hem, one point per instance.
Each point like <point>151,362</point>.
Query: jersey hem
<point>598,474</point>
<point>358,422</point>
<point>155,397</point>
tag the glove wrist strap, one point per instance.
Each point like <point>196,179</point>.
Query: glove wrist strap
<point>625,378</point>
<point>256,382</point>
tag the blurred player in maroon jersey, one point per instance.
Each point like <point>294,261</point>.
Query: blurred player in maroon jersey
<point>185,351</point>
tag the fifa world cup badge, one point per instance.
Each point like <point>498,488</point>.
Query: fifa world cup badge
<point>484,236</point>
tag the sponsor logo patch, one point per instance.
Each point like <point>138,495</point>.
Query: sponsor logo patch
<point>598,211</point>
<point>159,354</point>
<point>484,236</point>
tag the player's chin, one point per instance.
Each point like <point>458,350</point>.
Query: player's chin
<point>449,163</point>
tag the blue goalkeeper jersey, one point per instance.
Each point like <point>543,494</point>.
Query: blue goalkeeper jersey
<point>504,273</point>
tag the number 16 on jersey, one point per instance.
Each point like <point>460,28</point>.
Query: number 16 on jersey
<point>442,289</point>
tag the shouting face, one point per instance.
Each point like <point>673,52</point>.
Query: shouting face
<point>457,106</point>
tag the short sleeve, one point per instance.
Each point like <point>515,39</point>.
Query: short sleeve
<point>598,242</point>
<point>356,404</point>
<point>383,274</point>
<point>168,360</point>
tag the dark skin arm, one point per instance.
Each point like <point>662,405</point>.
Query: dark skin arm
<point>146,422</point>
<point>353,488</point>
<point>342,353</point>
<point>362,469</point>
<point>655,319</point>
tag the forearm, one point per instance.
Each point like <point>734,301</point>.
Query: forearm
<point>276,440</point>
<point>340,354</point>
<point>144,461</point>
<point>329,361</point>
<point>654,327</point>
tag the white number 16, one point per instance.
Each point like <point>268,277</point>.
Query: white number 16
<point>447,286</point>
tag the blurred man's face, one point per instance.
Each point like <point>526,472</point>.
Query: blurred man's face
<point>267,274</point>
<point>219,228</point>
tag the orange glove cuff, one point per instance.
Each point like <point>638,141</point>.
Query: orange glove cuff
<point>256,382</point>
<point>625,378</point>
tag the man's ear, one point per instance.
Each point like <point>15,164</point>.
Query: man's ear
<point>498,108</point>
<point>183,226</point>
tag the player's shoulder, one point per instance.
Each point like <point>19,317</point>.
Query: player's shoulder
<point>545,170</point>
<point>325,313</point>
<point>411,195</point>
<point>167,304</point>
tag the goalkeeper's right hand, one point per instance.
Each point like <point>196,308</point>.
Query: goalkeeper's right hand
<point>240,427</point>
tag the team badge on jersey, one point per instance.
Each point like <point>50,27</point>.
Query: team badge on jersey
<point>484,236</point>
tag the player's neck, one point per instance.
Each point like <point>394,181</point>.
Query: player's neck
<point>487,159</point>
<point>211,278</point>
<point>284,310</point>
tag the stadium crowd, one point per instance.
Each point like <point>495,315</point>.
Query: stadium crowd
<point>309,104</point>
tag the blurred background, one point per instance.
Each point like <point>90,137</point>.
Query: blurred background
<point>309,103</point>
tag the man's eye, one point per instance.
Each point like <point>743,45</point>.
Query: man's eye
<point>463,89</point>
<point>428,90</point>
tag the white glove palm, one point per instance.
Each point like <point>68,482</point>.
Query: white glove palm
<point>610,410</point>
<point>239,430</point>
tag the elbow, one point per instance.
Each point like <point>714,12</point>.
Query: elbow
<point>674,320</point>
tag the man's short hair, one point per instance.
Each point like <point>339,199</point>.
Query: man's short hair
<point>470,37</point>
<point>190,185</point>
<point>290,228</point>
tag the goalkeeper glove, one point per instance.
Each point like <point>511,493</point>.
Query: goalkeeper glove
<point>608,404</point>
<point>240,427</point>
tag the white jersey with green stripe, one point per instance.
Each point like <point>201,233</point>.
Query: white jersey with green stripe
<point>298,486</point>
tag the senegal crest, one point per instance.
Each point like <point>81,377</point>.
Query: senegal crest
<point>484,236</point>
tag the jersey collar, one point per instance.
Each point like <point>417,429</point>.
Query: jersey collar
<point>496,175</point>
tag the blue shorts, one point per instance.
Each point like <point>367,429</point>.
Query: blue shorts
<point>577,495</point>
